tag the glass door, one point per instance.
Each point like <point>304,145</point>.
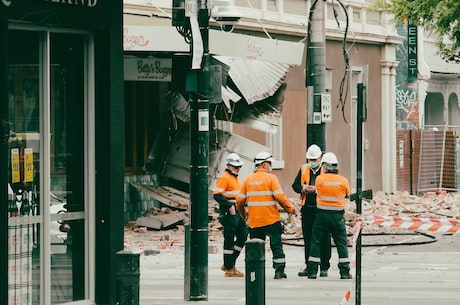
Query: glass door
<point>47,113</point>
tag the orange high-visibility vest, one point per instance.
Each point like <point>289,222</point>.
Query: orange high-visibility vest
<point>260,193</point>
<point>305,179</point>
<point>227,185</point>
<point>331,192</point>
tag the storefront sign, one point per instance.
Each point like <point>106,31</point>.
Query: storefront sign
<point>245,46</point>
<point>145,38</point>
<point>148,69</point>
<point>87,3</point>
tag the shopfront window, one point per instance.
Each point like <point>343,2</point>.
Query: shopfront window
<point>47,226</point>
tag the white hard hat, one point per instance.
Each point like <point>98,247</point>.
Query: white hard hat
<point>234,159</point>
<point>263,157</point>
<point>313,152</point>
<point>329,158</point>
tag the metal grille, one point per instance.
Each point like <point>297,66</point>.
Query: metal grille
<point>438,155</point>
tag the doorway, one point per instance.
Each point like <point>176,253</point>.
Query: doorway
<point>49,101</point>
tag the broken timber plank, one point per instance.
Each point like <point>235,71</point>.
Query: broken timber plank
<point>167,195</point>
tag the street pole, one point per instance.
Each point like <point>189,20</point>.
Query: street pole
<point>316,75</point>
<point>361,117</point>
<point>198,86</point>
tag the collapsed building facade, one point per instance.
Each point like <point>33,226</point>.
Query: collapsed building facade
<point>263,104</point>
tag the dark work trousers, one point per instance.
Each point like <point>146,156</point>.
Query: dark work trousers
<point>308,217</point>
<point>235,235</point>
<point>273,231</point>
<point>329,223</point>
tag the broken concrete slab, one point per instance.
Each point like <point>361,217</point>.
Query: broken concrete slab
<point>158,222</point>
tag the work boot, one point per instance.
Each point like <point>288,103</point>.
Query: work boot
<point>222,267</point>
<point>345,276</point>
<point>233,272</point>
<point>323,273</point>
<point>279,274</point>
<point>312,270</point>
<point>344,271</point>
<point>304,272</point>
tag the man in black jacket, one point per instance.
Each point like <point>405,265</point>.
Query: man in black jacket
<point>304,184</point>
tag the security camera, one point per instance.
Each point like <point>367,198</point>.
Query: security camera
<point>226,27</point>
<point>226,14</point>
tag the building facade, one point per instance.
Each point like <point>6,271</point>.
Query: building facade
<point>61,89</point>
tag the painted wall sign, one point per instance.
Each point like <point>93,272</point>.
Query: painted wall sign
<point>412,52</point>
<point>148,69</point>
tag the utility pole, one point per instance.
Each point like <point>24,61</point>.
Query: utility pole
<point>199,153</point>
<point>317,97</point>
<point>191,18</point>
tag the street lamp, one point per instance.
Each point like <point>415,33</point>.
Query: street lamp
<point>191,18</point>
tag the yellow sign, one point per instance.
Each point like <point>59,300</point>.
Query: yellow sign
<point>28,165</point>
<point>15,171</point>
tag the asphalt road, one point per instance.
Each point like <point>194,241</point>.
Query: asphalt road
<point>395,269</point>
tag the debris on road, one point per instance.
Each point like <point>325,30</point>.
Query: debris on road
<point>162,229</point>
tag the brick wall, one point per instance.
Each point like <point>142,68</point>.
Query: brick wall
<point>404,159</point>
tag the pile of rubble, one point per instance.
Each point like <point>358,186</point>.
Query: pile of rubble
<point>160,230</point>
<point>431,205</point>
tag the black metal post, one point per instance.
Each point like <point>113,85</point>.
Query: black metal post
<point>255,272</point>
<point>359,188</point>
<point>316,74</point>
<point>128,278</point>
<point>411,154</point>
<point>199,152</point>
<point>4,136</point>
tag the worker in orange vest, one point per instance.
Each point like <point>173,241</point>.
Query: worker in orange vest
<point>258,201</point>
<point>304,184</point>
<point>235,229</point>
<point>332,191</point>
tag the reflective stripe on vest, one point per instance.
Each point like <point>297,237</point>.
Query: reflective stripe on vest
<point>260,203</point>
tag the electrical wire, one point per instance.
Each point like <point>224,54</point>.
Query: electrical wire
<point>159,8</point>
<point>343,88</point>
<point>432,239</point>
<point>260,22</point>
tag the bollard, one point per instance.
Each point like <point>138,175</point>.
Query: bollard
<point>255,271</point>
<point>127,278</point>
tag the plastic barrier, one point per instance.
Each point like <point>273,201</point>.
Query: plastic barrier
<point>446,225</point>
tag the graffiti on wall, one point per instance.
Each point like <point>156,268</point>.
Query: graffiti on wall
<point>406,106</point>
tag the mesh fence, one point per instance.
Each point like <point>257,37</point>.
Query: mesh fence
<point>437,169</point>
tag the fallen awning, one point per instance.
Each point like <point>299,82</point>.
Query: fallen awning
<point>255,79</point>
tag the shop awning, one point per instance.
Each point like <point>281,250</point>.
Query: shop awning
<point>167,39</point>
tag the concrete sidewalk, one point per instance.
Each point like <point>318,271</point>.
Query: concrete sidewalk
<point>398,275</point>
